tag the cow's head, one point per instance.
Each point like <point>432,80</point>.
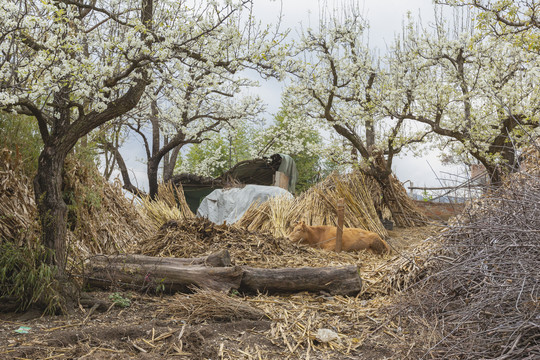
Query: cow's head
<point>299,232</point>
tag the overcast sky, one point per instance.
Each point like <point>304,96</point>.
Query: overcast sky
<point>385,19</point>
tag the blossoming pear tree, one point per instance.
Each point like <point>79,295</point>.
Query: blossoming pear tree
<point>338,80</point>
<point>183,108</point>
<point>191,98</point>
<point>478,93</point>
<point>76,65</point>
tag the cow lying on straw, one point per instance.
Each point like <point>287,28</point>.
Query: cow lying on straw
<point>324,237</point>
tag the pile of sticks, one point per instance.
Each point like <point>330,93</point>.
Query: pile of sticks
<point>484,298</point>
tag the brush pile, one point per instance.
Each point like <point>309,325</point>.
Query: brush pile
<point>318,206</point>
<point>484,300</point>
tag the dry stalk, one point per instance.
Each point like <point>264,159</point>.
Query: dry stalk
<point>169,204</point>
<point>205,305</point>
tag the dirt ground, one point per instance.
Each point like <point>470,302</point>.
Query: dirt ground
<point>149,329</point>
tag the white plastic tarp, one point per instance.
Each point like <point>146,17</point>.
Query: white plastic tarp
<point>228,205</point>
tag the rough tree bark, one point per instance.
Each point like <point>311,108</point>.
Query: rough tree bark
<point>147,273</point>
<point>51,206</point>
<point>343,280</point>
<point>218,259</point>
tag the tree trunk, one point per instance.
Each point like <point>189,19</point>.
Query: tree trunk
<point>169,163</point>
<point>162,276</point>
<point>147,273</point>
<point>152,172</point>
<point>52,209</point>
<point>404,211</point>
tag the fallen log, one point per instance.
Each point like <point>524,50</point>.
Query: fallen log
<point>218,259</point>
<point>162,276</point>
<point>334,280</point>
<point>171,275</point>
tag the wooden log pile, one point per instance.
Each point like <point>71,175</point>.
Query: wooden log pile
<point>147,273</point>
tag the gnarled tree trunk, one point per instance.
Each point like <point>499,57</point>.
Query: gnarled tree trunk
<point>51,205</point>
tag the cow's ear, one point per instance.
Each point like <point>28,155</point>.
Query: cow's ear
<point>303,225</point>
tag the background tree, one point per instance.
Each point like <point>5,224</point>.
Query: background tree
<point>297,136</point>
<point>219,151</point>
<point>182,109</point>
<point>477,93</point>
<point>338,81</point>
<point>191,97</point>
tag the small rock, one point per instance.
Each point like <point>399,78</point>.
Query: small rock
<point>326,335</point>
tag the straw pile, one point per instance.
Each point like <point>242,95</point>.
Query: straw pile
<point>404,211</point>
<point>212,305</point>
<point>100,218</point>
<point>483,301</point>
<point>199,237</point>
<point>400,271</point>
<point>169,204</point>
<point>17,205</point>
<point>318,206</point>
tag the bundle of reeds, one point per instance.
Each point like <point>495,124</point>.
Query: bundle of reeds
<point>169,204</point>
<point>273,216</point>
<point>318,206</point>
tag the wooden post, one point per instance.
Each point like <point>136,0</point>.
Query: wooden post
<point>340,217</point>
